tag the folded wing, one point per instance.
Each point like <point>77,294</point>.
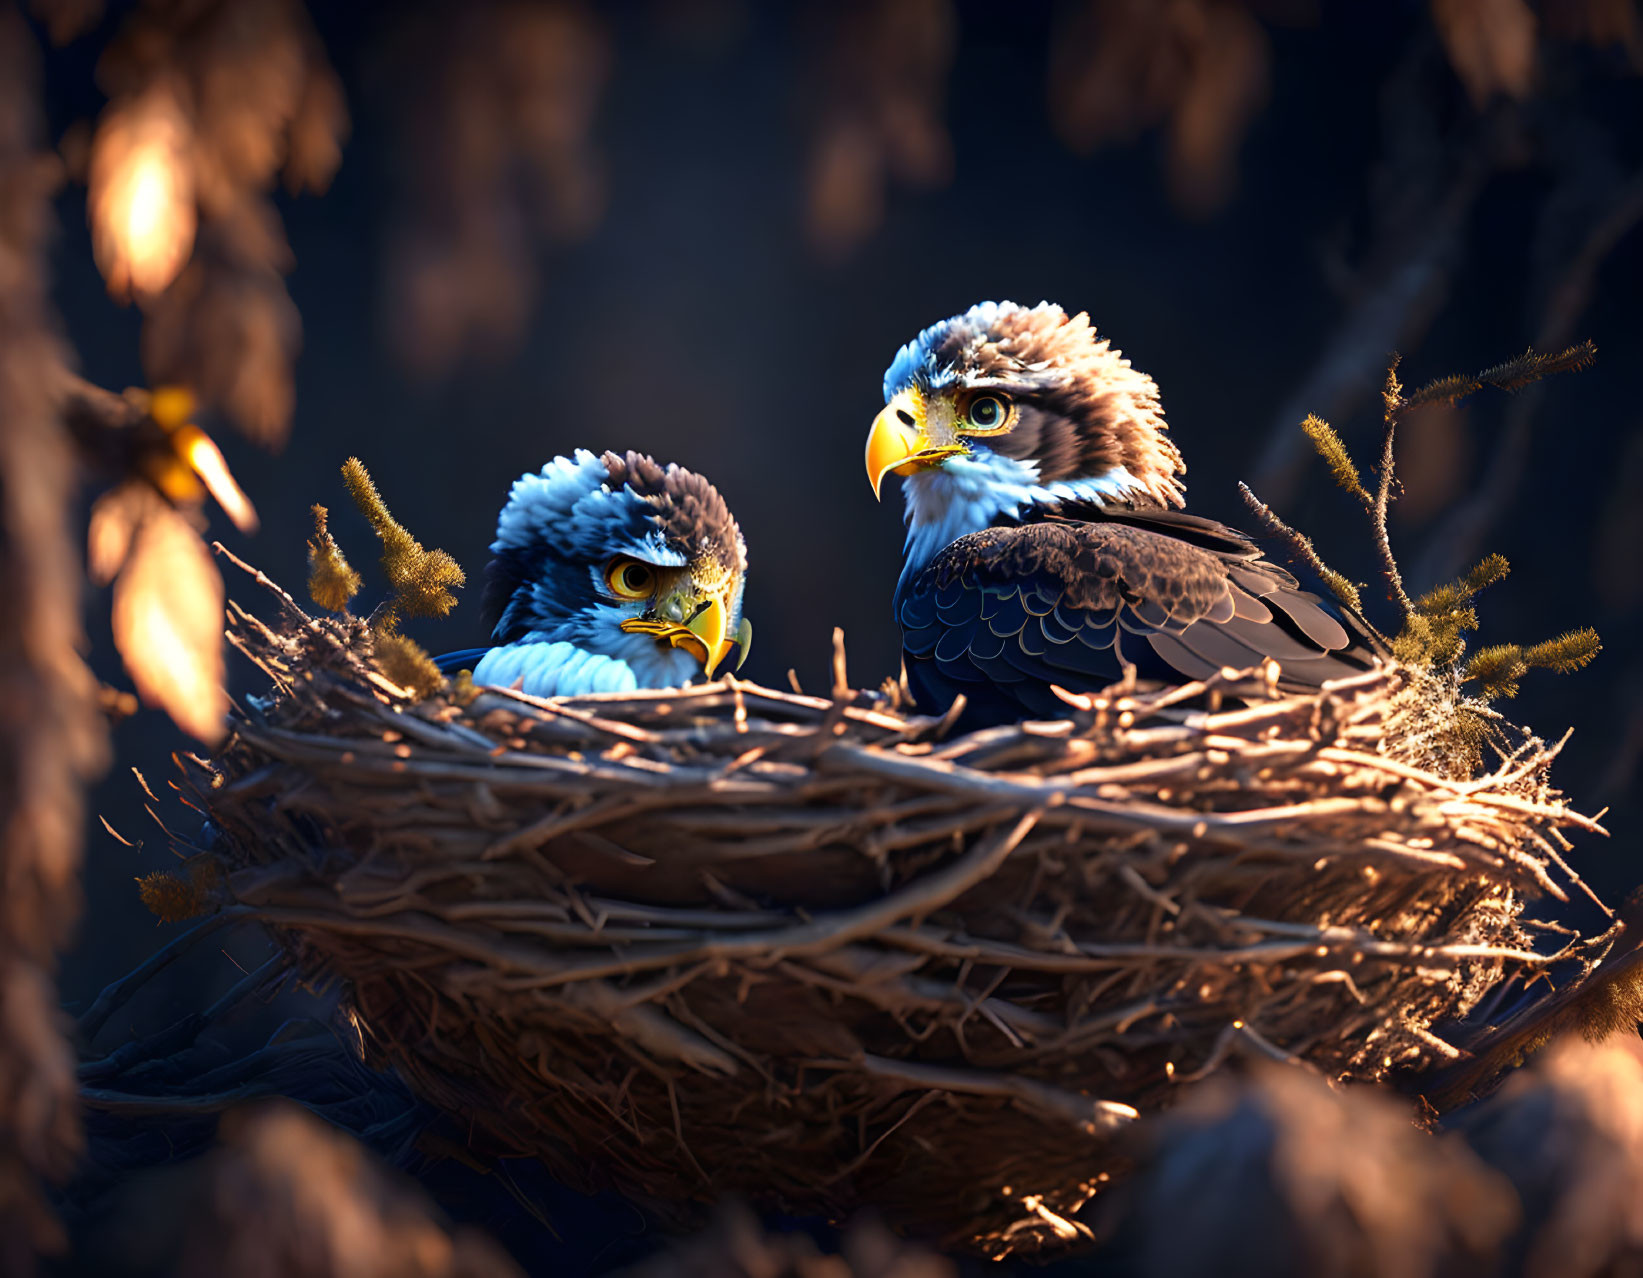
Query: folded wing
<point>1003,613</point>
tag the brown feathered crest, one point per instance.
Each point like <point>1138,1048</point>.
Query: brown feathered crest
<point>689,509</point>
<point>1084,408</point>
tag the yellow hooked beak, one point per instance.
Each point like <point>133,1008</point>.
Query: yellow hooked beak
<point>900,441</point>
<point>701,630</point>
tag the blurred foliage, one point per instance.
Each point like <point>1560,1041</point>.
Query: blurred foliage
<point>1199,69</point>
<point>877,86</point>
<point>493,107</point>
<point>1568,1134</point>
<point>168,621</point>
<point>1490,43</point>
<point>209,106</point>
<point>53,738</point>
<point>285,1193</point>
<point>1283,1175</point>
<point>736,1245</point>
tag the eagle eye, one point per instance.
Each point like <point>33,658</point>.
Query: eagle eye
<point>630,578</point>
<point>986,413</point>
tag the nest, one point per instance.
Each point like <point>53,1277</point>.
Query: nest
<point>822,953</point>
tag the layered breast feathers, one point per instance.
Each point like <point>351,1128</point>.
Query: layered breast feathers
<point>1071,596</point>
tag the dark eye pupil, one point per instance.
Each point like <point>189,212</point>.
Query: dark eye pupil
<point>985,412</point>
<point>633,578</point>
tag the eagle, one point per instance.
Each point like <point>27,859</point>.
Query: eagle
<point>1046,541</point>
<point>610,573</point>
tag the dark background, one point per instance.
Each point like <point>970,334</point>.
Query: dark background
<point>697,320</point>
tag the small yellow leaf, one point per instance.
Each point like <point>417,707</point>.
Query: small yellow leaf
<point>168,624</point>
<point>205,459</point>
<point>171,406</point>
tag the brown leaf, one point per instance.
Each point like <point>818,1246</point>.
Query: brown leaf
<point>1230,64</point>
<point>318,131</point>
<point>495,158</point>
<point>1601,23</point>
<point>288,1194</point>
<point>466,294</point>
<point>168,624</point>
<point>141,195</point>
<point>1199,67</point>
<point>247,64</point>
<point>1115,71</point>
<point>202,456</point>
<point>846,188</point>
<point>250,93</point>
<point>115,517</point>
<point>877,98</point>
<point>232,334</point>
<point>1490,44</point>
<point>66,20</point>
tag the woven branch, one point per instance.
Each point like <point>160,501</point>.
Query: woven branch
<point>733,938</point>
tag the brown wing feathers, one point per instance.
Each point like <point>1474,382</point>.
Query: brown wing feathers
<point>1051,600</point>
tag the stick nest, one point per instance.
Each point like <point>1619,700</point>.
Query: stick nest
<point>817,951</point>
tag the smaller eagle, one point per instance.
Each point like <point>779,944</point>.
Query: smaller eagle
<point>1045,540</point>
<point>610,573</point>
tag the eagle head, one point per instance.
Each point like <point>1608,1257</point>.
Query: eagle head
<point>611,572</point>
<point>1024,397</point>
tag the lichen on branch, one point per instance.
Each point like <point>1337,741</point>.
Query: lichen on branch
<point>422,579</point>
<point>407,663</point>
<point>1431,635</point>
<point>332,581</point>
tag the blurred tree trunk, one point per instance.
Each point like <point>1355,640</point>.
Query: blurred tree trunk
<point>52,737</point>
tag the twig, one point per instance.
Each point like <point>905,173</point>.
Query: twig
<point>114,995</point>
<point>1098,1117</point>
<point>1301,547</point>
<point>1456,539</point>
<point>1392,398</point>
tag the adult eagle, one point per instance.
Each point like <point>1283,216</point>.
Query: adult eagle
<point>1045,540</point>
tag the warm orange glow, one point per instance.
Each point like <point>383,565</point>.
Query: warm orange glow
<point>171,406</point>
<point>141,196</point>
<point>168,621</point>
<point>206,459</point>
